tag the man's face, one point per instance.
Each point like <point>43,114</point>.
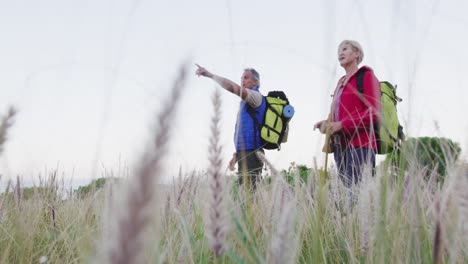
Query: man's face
<point>248,80</point>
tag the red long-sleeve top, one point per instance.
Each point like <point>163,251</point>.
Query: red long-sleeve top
<point>358,112</point>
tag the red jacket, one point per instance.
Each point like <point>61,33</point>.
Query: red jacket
<point>356,111</point>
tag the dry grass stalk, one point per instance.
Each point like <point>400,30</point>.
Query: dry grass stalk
<point>181,193</point>
<point>438,242</point>
<point>185,187</point>
<point>461,200</point>
<point>192,187</point>
<point>286,195</point>
<point>368,205</point>
<point>262,157</point>
<point>7,122</point>
<point>4,197</point>
<point>464,205</point>
<point>166,212</point>
<point>53,219</point>
<point>281,246</point>
<point>132,223</point>
<point>312,179</point>
<point>17,193</point>
<point>217,224</point>
<point>451,217</point>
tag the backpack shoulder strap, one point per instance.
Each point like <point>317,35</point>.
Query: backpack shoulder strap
<point>332,105</point>
<point>251,112</point>
<point>360,85</point>
<point>360,80</point>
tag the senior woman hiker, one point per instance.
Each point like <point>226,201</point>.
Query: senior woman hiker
<point>352,116</point>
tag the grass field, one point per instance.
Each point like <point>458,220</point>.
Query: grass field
<point>205,218</point>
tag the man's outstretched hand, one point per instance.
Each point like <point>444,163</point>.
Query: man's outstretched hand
<point>223,82</point>
<point>203,72</point>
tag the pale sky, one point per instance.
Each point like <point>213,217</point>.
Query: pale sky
<point>88,76</point>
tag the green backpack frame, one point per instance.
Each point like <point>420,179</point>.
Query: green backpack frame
<point>388,131</point>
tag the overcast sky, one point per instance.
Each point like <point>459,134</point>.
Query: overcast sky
<point>88,76</point>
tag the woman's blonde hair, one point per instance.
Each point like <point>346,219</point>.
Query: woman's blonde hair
<point>356,47</point>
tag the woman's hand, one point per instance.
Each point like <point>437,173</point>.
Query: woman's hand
<point>334,127</point>
<point>321,126</point>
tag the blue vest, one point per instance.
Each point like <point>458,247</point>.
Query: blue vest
<point>244,137</point>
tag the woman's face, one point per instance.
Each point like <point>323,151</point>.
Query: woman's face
<point>347,55</point>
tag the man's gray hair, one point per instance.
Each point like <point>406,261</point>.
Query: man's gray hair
<point>255,74</point>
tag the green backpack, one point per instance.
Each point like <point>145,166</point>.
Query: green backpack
<point>275,126</point>
<point>388,131</point>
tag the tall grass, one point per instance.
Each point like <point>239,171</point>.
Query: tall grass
<point>217,212</point>
<point>6,123</point>
<point>126,242</point>
<point>204,218</point>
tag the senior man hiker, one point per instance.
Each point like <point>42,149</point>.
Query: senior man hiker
<point>246,138</point>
